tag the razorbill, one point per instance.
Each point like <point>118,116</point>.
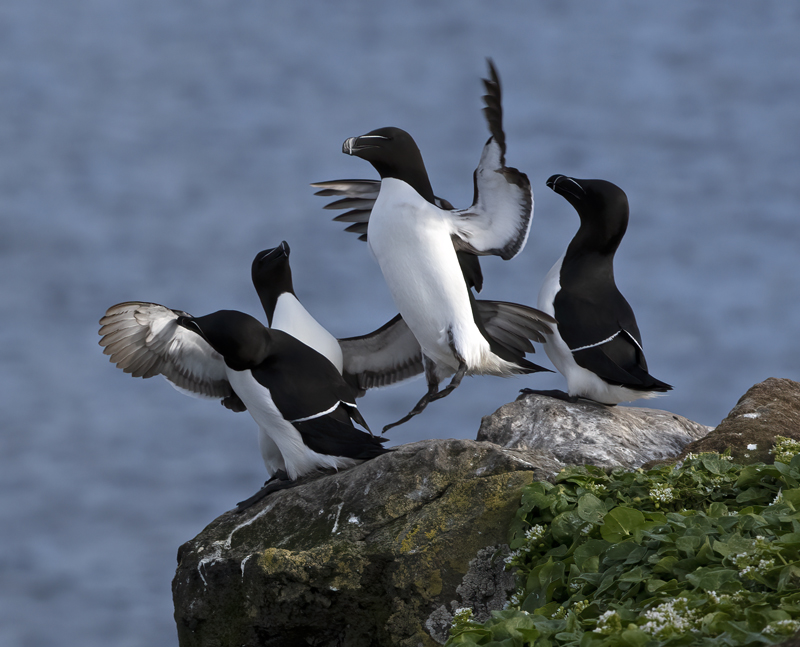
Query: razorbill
<point>385,356</point>
<point>596,344</point>
<point>380,358</point>
<point>416,242</point>
<point>303,407</point>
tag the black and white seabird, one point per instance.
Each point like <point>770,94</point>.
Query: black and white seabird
<point>385,356</point>
<point>596,344</point>
<point>417,243</point>
<point>303,407</point>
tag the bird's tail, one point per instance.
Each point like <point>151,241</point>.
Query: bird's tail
<point>510,328</point>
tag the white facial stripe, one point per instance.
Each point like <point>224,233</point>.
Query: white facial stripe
<point>373,137</point>
<point>577,185</point>
<point>318,415</point>
<point>600,343</point>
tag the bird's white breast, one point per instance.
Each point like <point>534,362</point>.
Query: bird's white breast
<point>291,317</point>
<point>411,242</point>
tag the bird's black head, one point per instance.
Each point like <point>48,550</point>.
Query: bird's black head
<point>393,153</point>
<point>242,340</point>
<point>602,207</point>
<point>272,276</point>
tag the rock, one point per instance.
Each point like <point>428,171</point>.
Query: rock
<point>367,556</point>
<point>586,433</point>
<point>386,552</point>
<point>485,588</point>
<point>768,409</point>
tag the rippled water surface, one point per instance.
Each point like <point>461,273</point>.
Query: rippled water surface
<point>151,148</point>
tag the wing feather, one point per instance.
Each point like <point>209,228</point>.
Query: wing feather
<point>383,357</point>
<point>144,339</point>
<point>499,220</point>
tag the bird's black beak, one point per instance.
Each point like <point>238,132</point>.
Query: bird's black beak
<point>280,251</point>
<point>567,187</point>
<point>190,324</point>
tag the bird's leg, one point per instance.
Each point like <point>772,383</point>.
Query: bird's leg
<point>279,481</point>
<point>460,372</point>
<point>433,387</point>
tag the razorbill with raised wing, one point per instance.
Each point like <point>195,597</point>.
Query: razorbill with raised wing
<point>415,243</point>
<point>596,344</point>
<point>303,407</point>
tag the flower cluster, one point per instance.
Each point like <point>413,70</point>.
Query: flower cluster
<point>533,537</point>
<point>608,623</point>
<point>661,493</point>
<point>756,561</point>
<point>782,628</point>
<point>785,449</point>
<point>598,489</point>
<point>535,533</point>
<point>671,617</point>
<point>462,617</point>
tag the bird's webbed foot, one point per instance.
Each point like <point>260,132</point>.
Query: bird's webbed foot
<point>279,481</point>
<point>551,393</point>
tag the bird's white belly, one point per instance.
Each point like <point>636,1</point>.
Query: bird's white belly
<point>281,444</point>
<point>412,245</point>
<point>291,317</point>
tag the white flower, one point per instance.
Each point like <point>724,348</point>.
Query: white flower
<point>608,623</point>
<point>535,533</point>
<point>752,446</point>
<point>671,617</point>
<point>661,493</point>
<point>462,615</point>
<point>782,627</point>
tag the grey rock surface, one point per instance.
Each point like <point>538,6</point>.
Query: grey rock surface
<point>362,557</point>
<point>386,552</point>
<point>587,433</point>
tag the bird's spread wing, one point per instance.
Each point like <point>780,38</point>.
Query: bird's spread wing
<point>144,339</point>
<point>499,220</point>
<point>514,325</point>
<point>358,197</point>
<point>386,356</point>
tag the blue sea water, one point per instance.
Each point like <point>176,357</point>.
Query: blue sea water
<point>151,148</point>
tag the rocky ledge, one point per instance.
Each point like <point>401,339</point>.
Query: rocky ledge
<point>383,554</point>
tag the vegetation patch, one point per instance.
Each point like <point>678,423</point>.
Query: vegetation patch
<point>704,553</point>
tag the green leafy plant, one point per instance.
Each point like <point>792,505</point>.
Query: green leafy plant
<point>706,553</point>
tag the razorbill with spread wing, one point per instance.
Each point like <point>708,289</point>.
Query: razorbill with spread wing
<point>303,407</point>
<point>596,344</point>
<point>415,243</point>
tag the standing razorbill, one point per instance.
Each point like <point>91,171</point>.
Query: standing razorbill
<point>415,243</point>
<point>596,344</point>
<point>303,407</point>
<point>385,356</point>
